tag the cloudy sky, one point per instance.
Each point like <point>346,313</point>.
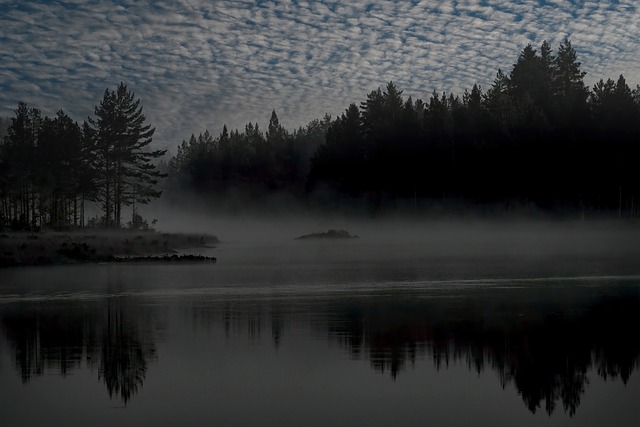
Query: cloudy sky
<point>197,64</point>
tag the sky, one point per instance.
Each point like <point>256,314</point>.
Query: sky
<point>199,64</point>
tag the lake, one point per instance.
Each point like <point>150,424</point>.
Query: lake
<point>486,331</point>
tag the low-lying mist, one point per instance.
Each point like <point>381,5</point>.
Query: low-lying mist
<point>398,236</point>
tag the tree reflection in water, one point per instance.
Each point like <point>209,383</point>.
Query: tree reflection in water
<point>125,352</point>
<point>118,340</point>
<point>47,339</point>
<point>543,342</point>
<point>545,352</point>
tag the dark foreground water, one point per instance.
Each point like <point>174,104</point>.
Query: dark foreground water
<point>319,334</point>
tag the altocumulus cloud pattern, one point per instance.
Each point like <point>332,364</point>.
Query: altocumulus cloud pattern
<point>198,63</point>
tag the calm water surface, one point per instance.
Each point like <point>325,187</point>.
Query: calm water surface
<point>317,334</point>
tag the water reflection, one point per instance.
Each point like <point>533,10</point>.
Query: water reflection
<point>45,340</point>
<point>545,342</point>
<point>545,352</point>
<point>125,352</point>
<point>115,338</point>
<point>544,345</point>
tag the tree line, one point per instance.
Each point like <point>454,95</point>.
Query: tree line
<point>52,166</point>
<point>275,160</point>
<point>537,137</point>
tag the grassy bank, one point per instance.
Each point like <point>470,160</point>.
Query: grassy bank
<point>81,246</point>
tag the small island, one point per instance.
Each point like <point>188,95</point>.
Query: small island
<point>331,234</point>
<point>99,245</point>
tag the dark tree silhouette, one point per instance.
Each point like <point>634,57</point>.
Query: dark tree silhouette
<point>65,176</point>
<point>537,138</point>
<point>19,168</point>
<point>52,166</point>
<point>127,174</point>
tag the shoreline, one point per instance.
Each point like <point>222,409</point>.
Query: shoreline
<point>24,249</point>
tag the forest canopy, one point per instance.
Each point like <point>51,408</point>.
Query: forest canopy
<point>536,138</point>
<point>52,166</point>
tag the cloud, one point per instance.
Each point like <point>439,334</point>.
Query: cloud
<point>198,64</point>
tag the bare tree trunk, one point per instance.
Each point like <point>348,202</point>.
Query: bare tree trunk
<point>620,204</point>
<point>25,204</point>
<point>107,198</point>
<point>118,195</point>
<point>33,222</point>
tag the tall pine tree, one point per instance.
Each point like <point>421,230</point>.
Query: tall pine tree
<point>128,175</point>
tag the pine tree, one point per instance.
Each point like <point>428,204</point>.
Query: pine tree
<point>20,166</point>
<point>372,114</point>
<point>393,103</point>
<point>276,134</point>
<point>569,88</point>
<point>62,170</point>
<point>526,77</point>
<point>499,103</point>
<point>569,77</point>
<point>341,160</point>
<point>281,155</point>
<point>128,175</point>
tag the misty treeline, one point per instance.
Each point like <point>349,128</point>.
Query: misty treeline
<point>274,160</point>
<point>51,166</point>
<point>536,138</point>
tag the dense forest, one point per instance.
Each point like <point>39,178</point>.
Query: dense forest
<point>537,138</point>
<point>52,166</point>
